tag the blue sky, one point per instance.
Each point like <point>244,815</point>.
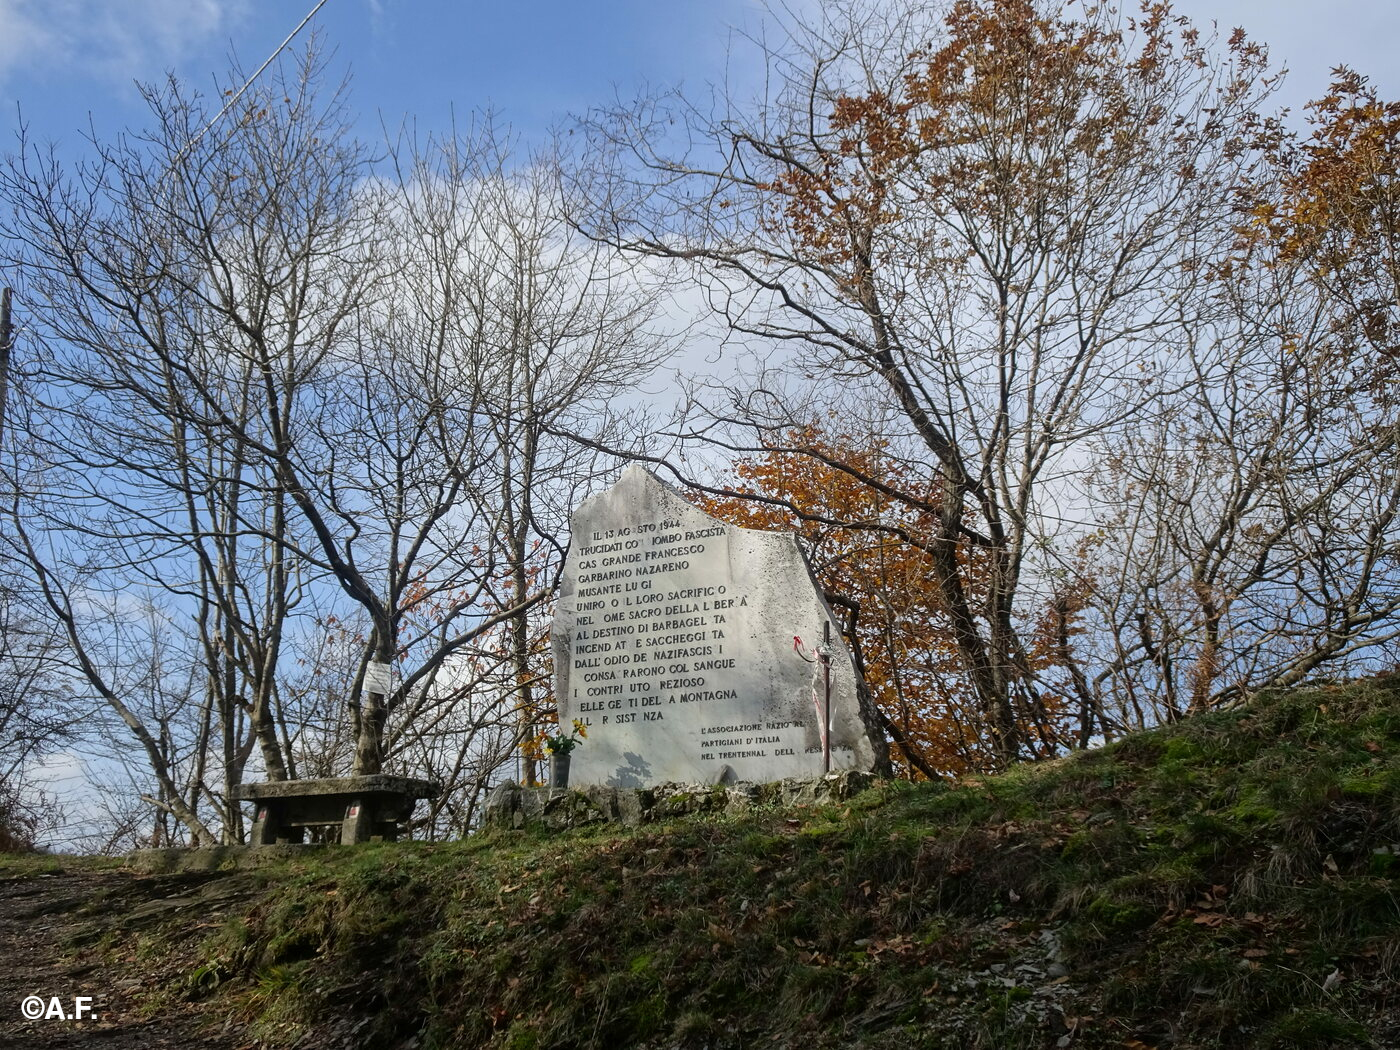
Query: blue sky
<point>534,61</point>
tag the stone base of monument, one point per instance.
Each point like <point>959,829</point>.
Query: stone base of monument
<point>512,807</point>
<point>353,809</point>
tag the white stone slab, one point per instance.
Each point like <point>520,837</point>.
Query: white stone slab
<point>673,641</point>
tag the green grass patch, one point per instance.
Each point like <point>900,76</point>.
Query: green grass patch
<point>1202,880</point>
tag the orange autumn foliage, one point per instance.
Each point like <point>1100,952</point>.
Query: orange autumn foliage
<point>882,586</point>
<point>1342,202</point>
<point>1335,207</point>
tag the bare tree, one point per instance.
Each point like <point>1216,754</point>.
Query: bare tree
<point>985,220</point>
<point>184,285</point>
<point>1256,530</point>
<point>38,716</point>
<point>282,404</point>
<point>540,330</point>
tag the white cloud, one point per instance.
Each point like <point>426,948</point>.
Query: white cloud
<point>112,40</point>
<point>21,36</point>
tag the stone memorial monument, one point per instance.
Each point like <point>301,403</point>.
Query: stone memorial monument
<point>674,642</point>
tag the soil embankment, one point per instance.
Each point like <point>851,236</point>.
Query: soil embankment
<point>55,931</point>
<point>1229,881</point>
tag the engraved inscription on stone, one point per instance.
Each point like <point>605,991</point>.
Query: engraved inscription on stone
<point>673,642</point>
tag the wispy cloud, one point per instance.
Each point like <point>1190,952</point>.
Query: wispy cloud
<point>110,40</point>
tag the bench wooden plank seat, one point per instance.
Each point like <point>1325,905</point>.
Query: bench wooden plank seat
<point>366,808</point>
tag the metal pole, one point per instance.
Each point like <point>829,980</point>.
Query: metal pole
<point>6,333</point>
<point>826,705</point>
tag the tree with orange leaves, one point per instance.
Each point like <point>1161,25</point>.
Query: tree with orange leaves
<point>1335,207</point>
<point>895,621</point>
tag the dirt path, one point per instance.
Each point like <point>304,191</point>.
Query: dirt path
<point>50,929</point>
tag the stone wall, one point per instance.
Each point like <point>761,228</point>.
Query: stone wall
<point>512,807</point>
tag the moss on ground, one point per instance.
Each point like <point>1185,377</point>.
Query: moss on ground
<point>1230,880</point>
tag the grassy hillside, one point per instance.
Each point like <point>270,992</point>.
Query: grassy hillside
<point>1231,881</point>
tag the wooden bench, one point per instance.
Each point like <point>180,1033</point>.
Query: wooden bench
<point>368,808</point>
